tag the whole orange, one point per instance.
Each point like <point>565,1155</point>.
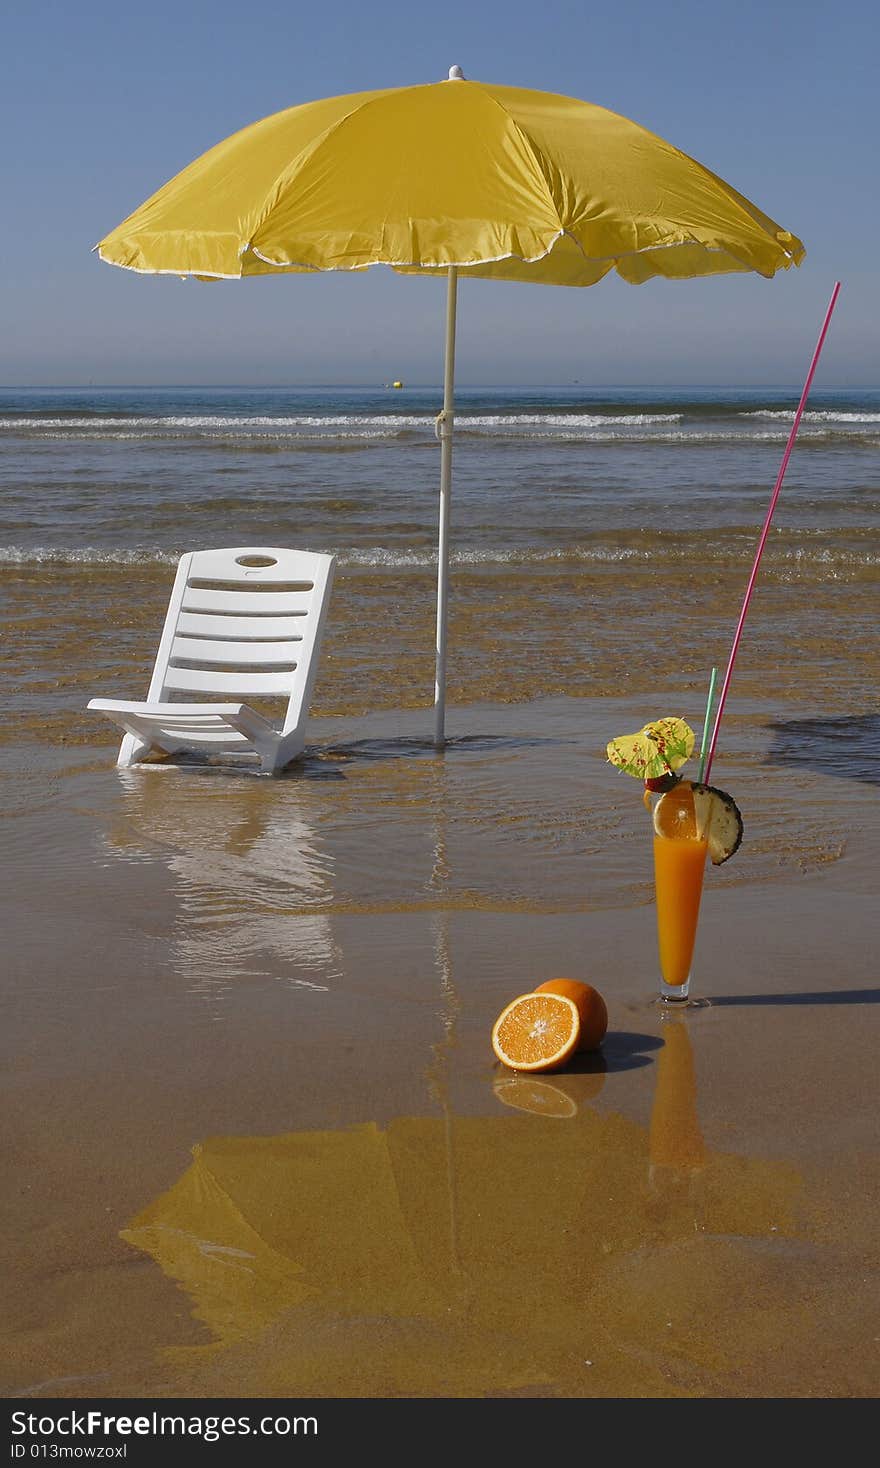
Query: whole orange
<point>590,1007</point>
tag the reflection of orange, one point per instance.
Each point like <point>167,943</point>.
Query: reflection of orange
<point>525,1093</point>
<point>537,1032</point>
<point>590,1004</point>
<point>563,1097</point>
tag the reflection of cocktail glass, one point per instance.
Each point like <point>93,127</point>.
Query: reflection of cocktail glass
<point>676,1141</point>
<point>679,864</point>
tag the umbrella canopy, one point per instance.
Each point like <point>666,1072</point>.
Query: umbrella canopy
<point>451,177</point>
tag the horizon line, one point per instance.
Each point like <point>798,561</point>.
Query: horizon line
<point>427,386</point>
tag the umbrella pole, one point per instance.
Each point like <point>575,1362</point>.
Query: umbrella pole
<point>444,432</point>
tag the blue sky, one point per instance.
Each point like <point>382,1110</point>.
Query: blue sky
<point>101,104</point>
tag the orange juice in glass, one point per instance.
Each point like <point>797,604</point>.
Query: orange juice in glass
<point>692,821</point>
<point>679,864</point>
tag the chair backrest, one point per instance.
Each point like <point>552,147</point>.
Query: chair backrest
<point>244,623</point>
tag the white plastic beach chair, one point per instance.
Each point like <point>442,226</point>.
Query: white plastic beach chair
<point>244,622</point>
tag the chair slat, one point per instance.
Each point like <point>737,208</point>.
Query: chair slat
<point>199,650</point>
<point>187,721</point>
<point>199,680</point>
<point>200,737</point>
<point>197,624</point>
<point>251,603</point>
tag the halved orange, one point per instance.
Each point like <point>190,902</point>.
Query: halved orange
<point>537,1032</point>
<point>590,1005</point>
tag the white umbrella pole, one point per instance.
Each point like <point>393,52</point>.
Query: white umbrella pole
<point>445,431</point>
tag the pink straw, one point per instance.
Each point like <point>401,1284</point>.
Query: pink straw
<point>764,533</point>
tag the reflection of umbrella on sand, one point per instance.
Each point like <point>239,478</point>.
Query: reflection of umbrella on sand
<point>459,177</point>
<point>385,1261</point>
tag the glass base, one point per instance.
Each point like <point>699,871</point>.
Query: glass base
<point>675,997</point>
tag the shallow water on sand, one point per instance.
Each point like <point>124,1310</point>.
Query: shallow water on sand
<point>255,1139</point>
<point>259,1143</point>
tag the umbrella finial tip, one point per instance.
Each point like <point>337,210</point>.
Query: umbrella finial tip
<point>456,74</point>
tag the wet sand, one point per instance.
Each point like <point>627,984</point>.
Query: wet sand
<point>255,1139</point>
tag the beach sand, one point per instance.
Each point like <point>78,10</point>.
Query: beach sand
<point>257,1139</point>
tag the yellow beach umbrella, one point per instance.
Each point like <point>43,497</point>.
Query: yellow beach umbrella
<point>452,178</point>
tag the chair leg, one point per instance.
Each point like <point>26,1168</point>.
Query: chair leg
<point>270,763</point>
<point>131,750</point>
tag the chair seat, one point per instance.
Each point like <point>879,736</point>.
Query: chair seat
<point>191,726</point>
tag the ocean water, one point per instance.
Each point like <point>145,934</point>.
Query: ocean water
<point>565,475</point>
<point>600,540</point>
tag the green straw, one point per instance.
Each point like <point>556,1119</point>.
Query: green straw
<point>705,739</point>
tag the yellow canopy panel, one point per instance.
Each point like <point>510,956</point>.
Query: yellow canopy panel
<point>500,181</point>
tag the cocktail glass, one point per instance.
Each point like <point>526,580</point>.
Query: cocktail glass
<point>679,865</point>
